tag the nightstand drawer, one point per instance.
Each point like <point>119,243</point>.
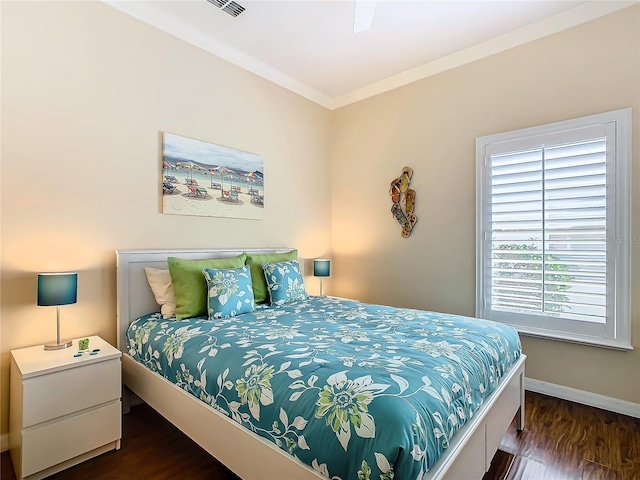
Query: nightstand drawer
<point>55,442</point>
<point>47,397</point>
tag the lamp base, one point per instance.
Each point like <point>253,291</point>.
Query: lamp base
<point>58,346</point>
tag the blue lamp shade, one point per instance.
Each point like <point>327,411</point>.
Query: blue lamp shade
<point>321,267</point>
<point>57,289</point>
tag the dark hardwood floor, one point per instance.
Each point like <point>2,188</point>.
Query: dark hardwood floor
<point>568,441</point>
<point>151,449</point>
<point>562,441</point>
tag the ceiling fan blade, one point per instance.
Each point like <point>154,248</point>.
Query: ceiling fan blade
<point>364,15</point>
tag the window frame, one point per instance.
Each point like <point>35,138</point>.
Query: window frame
<point>616,332</point>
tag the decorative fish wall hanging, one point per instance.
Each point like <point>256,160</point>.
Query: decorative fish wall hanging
<point>403,199</point>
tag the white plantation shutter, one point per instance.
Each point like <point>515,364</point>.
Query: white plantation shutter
<point>553,226</point>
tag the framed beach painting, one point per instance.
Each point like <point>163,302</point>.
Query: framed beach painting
<point>204,179</point>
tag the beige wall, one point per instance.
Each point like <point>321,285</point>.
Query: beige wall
<point>431,126</point>
<point>86,91</point>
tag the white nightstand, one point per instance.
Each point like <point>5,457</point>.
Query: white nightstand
<point>63,409</point>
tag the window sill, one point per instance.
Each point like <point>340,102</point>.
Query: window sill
<point>582,340</point>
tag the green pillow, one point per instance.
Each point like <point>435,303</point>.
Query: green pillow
<point>190,286</point>
<point>260,292</point>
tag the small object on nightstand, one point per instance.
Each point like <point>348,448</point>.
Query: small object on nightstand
<point>90,352</point>
<point>83,344</point>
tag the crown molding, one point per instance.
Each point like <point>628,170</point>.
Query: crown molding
<point>147,12</point>
<point>569,18</point>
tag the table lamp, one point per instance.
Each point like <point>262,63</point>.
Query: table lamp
<point>55,289</point>
<point>321,268</point>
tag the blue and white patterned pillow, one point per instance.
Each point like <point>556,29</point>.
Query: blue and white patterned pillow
<point>284,282</point>
<point>229,292</point>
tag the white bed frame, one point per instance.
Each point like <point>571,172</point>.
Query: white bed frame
<point>247,454</point>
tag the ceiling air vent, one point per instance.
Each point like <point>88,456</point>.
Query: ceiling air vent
<point>232,8</point>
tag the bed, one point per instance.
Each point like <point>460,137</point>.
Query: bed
<point>259,434</point>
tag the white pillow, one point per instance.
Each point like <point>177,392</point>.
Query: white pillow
<point>160,283</point>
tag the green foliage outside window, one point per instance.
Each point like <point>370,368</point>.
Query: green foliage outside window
<point>525,257</point>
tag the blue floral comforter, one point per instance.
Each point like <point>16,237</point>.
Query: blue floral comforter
<point>357,391</point>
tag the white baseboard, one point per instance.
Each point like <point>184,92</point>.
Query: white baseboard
<point>4,442</point>
<point>586,398</point>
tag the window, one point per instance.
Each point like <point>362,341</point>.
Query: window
<point>553,229</point>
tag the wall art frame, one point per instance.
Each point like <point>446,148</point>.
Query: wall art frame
<point>205,179</point>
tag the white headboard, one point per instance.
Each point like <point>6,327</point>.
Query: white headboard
<point>134,296</point>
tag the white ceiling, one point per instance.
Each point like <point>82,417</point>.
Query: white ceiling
<point>309,46</point>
